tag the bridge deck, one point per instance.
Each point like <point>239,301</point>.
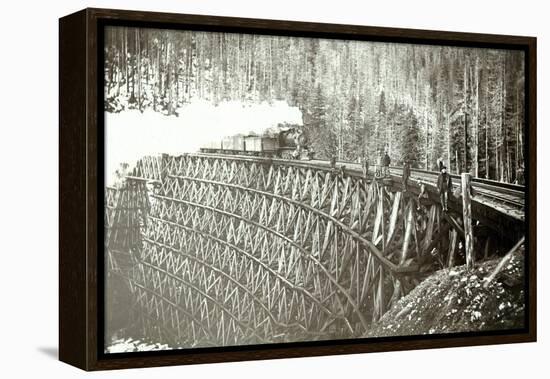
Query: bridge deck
<point>502,204</point>
<point>503,197</point>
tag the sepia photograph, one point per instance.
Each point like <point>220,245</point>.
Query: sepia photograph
<point>274,189</point>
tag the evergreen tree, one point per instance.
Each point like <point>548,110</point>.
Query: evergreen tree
<point>465,105</point>
<point>410,140</point>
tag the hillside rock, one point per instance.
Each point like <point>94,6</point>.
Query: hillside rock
<point>455,300</point>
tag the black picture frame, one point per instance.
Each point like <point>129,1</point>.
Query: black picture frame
<point>81,277</point>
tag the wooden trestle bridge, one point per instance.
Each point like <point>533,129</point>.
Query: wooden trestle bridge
<point>224,250</point>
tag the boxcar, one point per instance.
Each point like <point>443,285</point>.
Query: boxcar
<point>261,146</point>
<point>233,144</point>
<point>212,147</point>
<point>253,145</point>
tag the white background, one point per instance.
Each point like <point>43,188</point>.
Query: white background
<point>29,186</point>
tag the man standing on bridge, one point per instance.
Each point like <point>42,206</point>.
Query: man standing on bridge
<point>445,187</point>
<point>365,167</point>
<point>440,163</point>
<point>406,174</point>
<point>386,162</point>
<point>378,165</point>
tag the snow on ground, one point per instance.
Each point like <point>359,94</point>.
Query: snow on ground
<point>129,345</point>
<point>130,135</point>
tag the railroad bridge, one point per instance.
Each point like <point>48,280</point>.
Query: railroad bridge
<point>224,250</point>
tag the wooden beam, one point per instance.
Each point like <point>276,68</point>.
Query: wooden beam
<point>503,262</point>
<point>454,223</point>
<point>383,221</point>
<point>429,228</point>
<point>378,218</point>
<point>393,217</point>
<point>452,247</point>
<point>381,307</point>
<point>408,232</point>
<point>467,217</point>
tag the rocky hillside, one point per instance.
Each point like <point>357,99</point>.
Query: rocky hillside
<point>456,300</point>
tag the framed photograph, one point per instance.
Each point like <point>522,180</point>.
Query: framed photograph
<point>238,189</point>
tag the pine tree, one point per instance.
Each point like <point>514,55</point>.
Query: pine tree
<point>356,97</point>
<point>410,137</point>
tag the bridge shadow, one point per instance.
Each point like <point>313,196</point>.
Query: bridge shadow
<point>50,351</point>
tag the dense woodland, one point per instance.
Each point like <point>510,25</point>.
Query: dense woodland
<point>417,102</point>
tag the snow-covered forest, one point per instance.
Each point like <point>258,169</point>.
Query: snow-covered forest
<point>357,98</point>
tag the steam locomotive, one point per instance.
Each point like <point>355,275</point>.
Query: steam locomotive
<point>286,144</point>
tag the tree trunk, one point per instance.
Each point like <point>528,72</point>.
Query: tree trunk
<point>448,138</point>
<point>487,167</point>
<point>476,121</point>
<point>466,111</point>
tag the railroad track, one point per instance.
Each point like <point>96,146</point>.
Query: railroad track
<point>502,193</point>
<point>505,193</point>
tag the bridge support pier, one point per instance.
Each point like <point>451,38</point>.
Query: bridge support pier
<point>126,206</point>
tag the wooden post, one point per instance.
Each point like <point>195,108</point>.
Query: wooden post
<point>383,221</point>
<point>393,217</point>
<point>408,210</point>
<point>381,302</point>
<point>452,248</point>
<point>467,216</point>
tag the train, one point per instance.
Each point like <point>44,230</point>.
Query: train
<point>285,144</point>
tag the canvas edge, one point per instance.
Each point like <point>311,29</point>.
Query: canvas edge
<point>78,323</point>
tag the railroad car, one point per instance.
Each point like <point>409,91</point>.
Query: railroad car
<point>212,147</point>
<point>261,146</point>
<point>233,144</point>
<point>287,144</point>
